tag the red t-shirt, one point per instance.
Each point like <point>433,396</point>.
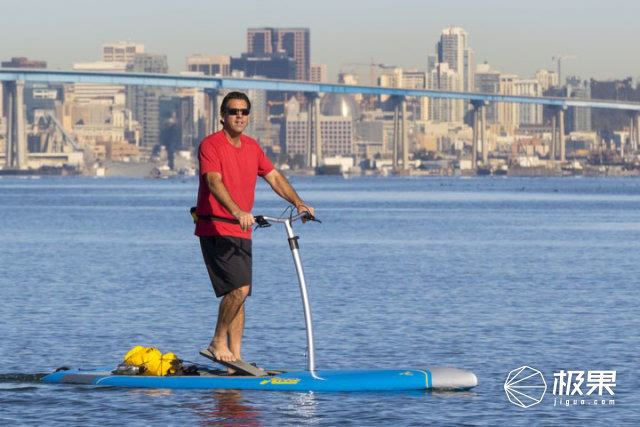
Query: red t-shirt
<point>240,168</point>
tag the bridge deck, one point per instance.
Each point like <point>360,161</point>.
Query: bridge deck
<point>215,83</point>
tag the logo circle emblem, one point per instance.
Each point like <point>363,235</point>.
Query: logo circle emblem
<point>525,386</point>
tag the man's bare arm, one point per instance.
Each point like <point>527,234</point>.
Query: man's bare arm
<point>220,192</point>
<point>281,186</point>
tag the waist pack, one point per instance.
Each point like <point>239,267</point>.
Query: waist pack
<point>154,362</point>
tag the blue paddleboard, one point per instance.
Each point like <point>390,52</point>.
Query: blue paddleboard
<point>329,380</point>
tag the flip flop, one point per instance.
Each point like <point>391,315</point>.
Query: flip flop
<point>239,365</point>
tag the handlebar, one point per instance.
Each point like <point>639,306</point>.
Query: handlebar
<point>262,221</point>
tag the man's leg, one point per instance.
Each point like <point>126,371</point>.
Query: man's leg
<point>236,328</point>
<point>230,307</point>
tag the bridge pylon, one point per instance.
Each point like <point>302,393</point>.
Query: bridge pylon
<point>478,134</point>
<point>558,143</point>
<point>16,138</point>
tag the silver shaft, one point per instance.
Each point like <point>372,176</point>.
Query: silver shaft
<point>311,364</point>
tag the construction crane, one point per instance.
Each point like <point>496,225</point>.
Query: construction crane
<point>372,67</point>
<point>559,58</point>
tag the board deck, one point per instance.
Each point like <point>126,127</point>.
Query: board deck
<point>443,378</point>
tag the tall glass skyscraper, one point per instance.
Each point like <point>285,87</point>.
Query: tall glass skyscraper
<point>294,42</point>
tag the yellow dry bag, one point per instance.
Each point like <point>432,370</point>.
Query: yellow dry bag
<point>153,360</point>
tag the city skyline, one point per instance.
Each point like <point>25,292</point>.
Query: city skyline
<point>602,37</point>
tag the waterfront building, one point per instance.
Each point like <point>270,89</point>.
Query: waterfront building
<point>210,65</point>
<point>336,134</point>
<point>374,135</point>
<point>294,42</point>
<point>95,113</point>
<point>121,52</point>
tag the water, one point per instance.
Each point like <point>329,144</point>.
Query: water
<point>483,274</point>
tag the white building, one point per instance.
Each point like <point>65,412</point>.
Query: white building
<point>452,69</point>
<point>508,111</point>
<point>210,65</point>
<point>528,114</point>
<point>121,52</point>
<point>440,109</point>
<point>547,79</point>
<point>87,91</point>
<point>318,73</point>
<point>336,134</point>
<point>453,49</point>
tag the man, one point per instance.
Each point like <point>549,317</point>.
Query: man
<point>230,164</point>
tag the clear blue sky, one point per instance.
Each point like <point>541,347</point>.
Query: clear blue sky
<point>513,36</point>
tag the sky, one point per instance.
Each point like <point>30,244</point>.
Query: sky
<point>513,36</point>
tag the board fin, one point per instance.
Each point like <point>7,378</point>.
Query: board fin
<point>239,365</point>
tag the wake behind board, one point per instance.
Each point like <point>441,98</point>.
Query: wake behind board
<point>432,378</point>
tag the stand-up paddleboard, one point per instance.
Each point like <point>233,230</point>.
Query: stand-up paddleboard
<point>310,379</point>
<point>436,378</point>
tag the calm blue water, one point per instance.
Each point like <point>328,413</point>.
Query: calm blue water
<point>483,274</point>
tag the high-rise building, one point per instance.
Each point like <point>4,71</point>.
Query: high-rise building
<point>274,66</point>
<point>528,114</point>
<point>488,81</point>
<point>318,73</point>
<point>452,69</point>
<point>261,41</point>
<point>508,111</point>
<point>391,78</point>
<point>548,79</point>
<point>441,109</point>
<point>121,52</point>
<point>295,42</point>
<point>413,79</point>
<point>432,60</point>
<point>144,101</point>
<point>579,118</point>
<point>452,48</point>
<point>148,63</point>
<point>210,65</point>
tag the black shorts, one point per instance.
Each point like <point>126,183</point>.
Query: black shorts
<point>228,261</point>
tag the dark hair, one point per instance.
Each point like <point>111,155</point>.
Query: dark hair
<point>229,97</point>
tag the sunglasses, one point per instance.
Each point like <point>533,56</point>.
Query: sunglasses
<point>237,111</point>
